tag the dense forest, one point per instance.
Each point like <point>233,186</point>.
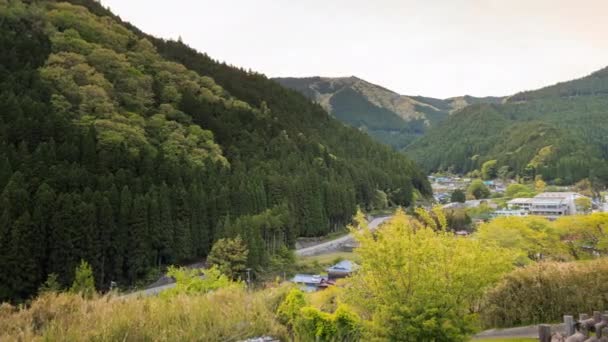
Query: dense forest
<point>558,133</point>
<point>132,152</point>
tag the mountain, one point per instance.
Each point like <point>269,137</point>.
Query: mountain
<point>558,132</point>
<point>132,152</point>
<point>391,118</point>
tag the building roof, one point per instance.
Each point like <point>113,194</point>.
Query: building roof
<point>345,266</point>
<point>557,194</point>
<point>308,279</point>
<point>520,200</point>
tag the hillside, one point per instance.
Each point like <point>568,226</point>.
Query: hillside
<point>558,132</point>
<point>391,118</point>
<point>132,152</point>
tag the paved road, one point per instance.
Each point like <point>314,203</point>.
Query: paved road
<point>322,248</point>
<point>337,244</point>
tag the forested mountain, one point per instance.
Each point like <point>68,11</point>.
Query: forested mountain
<point>393,119</point>
<point>130,152</point>
<point>558,132</point>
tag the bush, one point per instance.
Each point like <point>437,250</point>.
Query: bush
<point>544,292</point>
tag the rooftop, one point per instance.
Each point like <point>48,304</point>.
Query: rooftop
<point>308,279</point>
<point>343,266</point>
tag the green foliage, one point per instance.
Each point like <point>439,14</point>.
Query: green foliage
<point>519,190</point>
<point>418,283</point>
<point>489,170</point>
<point>544,292</point>
<point>545,132</point>
<point>458,196</point>
<point>230,256</point>
<point>83,284</point>
<point>194,282</point>
<point>535,237</point>
<point>478,190</point>
<point>308,323</point>
<point>133,152</point>
<point>583,204</point>
<point>289,309</point>
<point>50,285</point>
<point>567,238</point>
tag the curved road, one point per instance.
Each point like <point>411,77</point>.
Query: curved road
<point>336,244</point>
<point>322,248</point>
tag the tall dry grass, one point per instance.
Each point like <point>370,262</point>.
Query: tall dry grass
<point>544,292</point>
<point>225,315</point>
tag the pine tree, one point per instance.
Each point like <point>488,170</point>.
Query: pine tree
<point>137,251</point>
<point>84,283</point>
<point>62,252</point>
<point>23,262</point>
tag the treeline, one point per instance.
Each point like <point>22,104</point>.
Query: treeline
<point>113,154</point>
<point>561,139</point>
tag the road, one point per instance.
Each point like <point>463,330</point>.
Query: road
<point>153,291</point>
<point>322,248</point>
<point>337,244</point>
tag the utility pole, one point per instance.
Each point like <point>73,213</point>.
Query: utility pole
<point>248,277</point>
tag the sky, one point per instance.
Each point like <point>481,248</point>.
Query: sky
<point>437,48</point>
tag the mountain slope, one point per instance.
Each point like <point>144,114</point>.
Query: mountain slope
<point>391,118</point>
<point>132,152</point>
<point>558,132</point>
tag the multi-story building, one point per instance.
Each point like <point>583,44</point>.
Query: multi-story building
<point>548,204</point>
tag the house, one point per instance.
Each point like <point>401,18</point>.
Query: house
<point>342,269</point>
<point>311,283</point>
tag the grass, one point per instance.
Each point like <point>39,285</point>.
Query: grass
<point>224,315</point>
<point>500,339</point>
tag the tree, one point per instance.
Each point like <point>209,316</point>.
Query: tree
<point>534,237</point>
<point>50,285</point>
<point>583,204</point>
<point>458,196</point>
<point>229,255</point>
<point>540,185</point>
<point>416,283</point>
<point>478,190</point>
<point>518,190</point>
<point>84,283</point>
<point>489,170</point>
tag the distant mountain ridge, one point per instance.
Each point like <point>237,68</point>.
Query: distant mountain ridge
<point>389,117</point>
<point>556,132</point>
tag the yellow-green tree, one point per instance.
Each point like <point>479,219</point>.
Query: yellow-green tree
<point>230,256</point>
<point>418,282</point>
<point>533,237</point>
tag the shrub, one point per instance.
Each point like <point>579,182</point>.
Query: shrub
<point>544,292</point>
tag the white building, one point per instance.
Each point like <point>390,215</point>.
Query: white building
<point>520,203</point>
<point>509,212</point>
<point>548,204</point>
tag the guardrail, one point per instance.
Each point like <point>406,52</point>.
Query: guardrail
<point>578,330</point>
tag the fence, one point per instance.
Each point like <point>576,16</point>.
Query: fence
<point>578,331</point>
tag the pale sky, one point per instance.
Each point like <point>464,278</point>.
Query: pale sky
<point>437,48</point>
